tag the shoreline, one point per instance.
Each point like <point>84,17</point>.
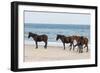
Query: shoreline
<point>58,43</point>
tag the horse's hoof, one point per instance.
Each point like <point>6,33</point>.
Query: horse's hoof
<point>45,47</point>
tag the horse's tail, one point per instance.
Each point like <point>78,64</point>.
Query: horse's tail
<point>47,37</point>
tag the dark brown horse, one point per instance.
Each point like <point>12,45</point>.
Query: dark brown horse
<point>81,40</point>
<point>39,38</point>
<point>64,40</point>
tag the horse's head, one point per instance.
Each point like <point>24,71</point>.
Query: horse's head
<point>58,36</point>
<point>29,34</point>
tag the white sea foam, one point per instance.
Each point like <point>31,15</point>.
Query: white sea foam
<point>42,43</point>
<point>58,43</point>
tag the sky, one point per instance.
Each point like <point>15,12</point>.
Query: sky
<point>56,18</point>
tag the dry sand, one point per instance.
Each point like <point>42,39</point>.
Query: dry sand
<point>52,53</point>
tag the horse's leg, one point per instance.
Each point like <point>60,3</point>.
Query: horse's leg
<point>36,44</point>
<point>71,46</point>
<point>79,50</point>
<point>87,48</point>
<point>74,46</point>
<point>64,45</point>
<point>45,46</point>
<point>82,49</point>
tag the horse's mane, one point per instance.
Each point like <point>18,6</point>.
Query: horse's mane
<point>61,35</point>
<point>32,34</point>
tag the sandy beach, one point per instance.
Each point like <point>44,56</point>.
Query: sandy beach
<point>52,53</point>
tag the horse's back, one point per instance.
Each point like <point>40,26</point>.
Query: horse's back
<point>45,37</point>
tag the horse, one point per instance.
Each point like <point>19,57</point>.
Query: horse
<point>75,38</point>
<point>39,38</point>
<point>65,39</point>
<point>81,40</point>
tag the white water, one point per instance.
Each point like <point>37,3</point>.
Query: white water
<point>58,43</point>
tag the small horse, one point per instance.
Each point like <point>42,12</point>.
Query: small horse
<point>64,40</point>
<point>81,40</point>
<point>39,38</point>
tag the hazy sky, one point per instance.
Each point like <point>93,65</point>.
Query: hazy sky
<point>56,18</point>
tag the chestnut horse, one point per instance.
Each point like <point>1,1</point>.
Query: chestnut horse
<point>81,40</point>
<point>39,38</point>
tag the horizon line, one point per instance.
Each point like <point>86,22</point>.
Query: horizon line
<point>56,23</point>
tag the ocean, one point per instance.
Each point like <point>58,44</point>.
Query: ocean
<point>53,29</point>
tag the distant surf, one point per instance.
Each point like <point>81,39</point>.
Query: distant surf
<point>53,29</point>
